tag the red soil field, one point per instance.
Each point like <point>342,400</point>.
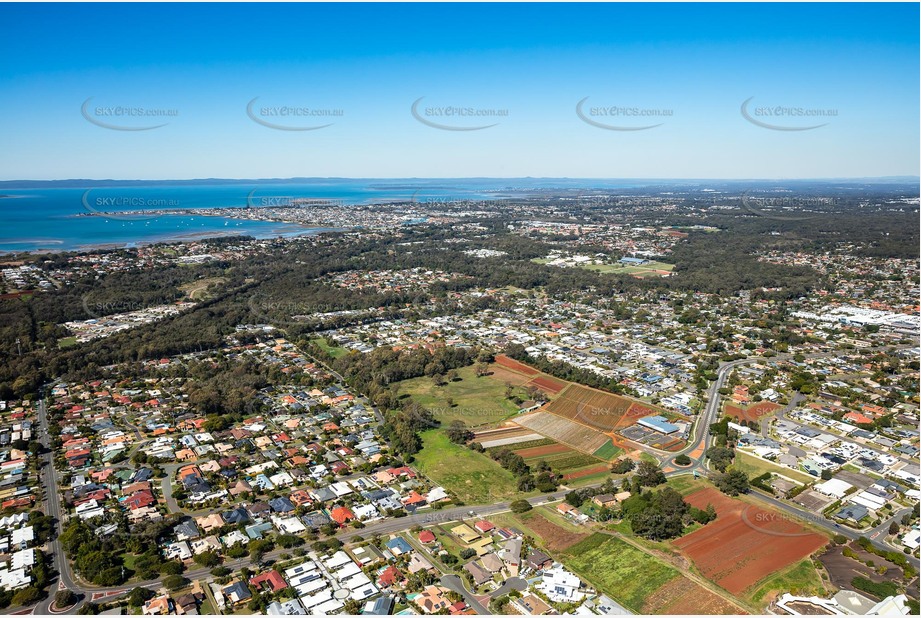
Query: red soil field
<point>744,544</point>
<point>542,451</point>
<point>683,596</point>
<point>510,363</point>
<point>753,412</point>
<point>548,384</point>
<point>586,472</point>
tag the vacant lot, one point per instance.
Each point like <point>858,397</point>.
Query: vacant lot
<point>640,581</point>
<point>684,596</point>
<point>841,569</point>
<point>475,478</point>
<point>745,544</point>
<point>476,400</point>
<point>552,536</point>
<point>753,412</point>
<point>754,466</point>
<point>801,579</point>
<point>627,574</point>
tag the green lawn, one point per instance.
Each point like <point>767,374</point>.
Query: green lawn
<point>474,477</point>
<point>608,451</point>
<point>753,466</point>
<point>333,351</point>
<point>625,573</point>
<point>476,401</point>
<point>799,579</point>
<point>67,342</point>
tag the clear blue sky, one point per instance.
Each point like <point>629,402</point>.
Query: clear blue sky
<point>537,61</point>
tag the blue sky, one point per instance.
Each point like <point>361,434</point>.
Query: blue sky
<point>696,64</point>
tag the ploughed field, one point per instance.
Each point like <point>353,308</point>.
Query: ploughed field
<point>744,544</point>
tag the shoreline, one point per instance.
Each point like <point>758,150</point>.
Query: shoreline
<point>183,237</point>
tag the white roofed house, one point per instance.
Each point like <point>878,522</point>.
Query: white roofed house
<point>561,586</point>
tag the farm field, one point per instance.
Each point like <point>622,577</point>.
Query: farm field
<point>509,436</point>
<point>474,477</point>
<point>753,412</point>
<point>563,430</point>
<point>477,400</point>
<point>745,544</point>
<point>595,408</point>
<point>563,459</point>
<point>640,581</point>
<point>507,368</point>
<point>754,466</point>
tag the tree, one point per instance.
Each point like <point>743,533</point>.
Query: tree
<point>207,559</point>
<point>27,596</point>
<point>520,506</point>
<point>575,499</point>
<point>64,598</point>
<point>458,433</point>
<point>467,553</point>
<point>139,596</point>
<point>826,475</point>
<point>175,582</point>
<point>622,466</point>
<point>683,460</point>
<point>649,475</point>
<point>720,457</point>
<point>894,528</point>
<point>733,483</point>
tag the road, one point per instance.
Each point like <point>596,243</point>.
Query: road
<point>701,438</point>
<point>52,502</point>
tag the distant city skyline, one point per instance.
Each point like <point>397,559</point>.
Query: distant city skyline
<point>586,91</point>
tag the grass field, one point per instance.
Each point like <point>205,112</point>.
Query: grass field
<point>642,270</point>
<point>753,466</point>
<point>608,451</point>
<point>477,401</point>
<point>475,478</point>
<point>333,351</point>
<point>67,342</point>
<point>615,567</point>
<point>800,579</point>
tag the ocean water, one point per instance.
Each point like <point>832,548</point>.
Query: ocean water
<point>79,217</point>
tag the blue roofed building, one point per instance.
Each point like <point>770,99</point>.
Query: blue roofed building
<point>658,423</point>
